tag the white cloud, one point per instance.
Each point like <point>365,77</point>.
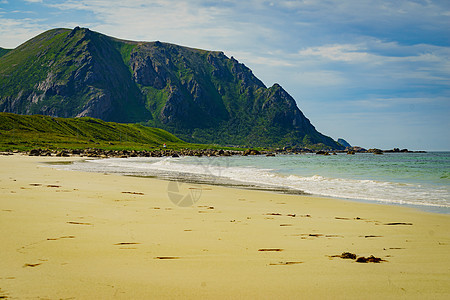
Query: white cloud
<point>389,102</point>
<point>385,64</point>
<point>179,22</point>
<point>320,78</point>
<point>343,52</point>
<point>14,30</point>
<point>268,60</point>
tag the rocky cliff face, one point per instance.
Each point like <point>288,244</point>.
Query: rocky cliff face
<point>203,96</point>
<point>344,143</point>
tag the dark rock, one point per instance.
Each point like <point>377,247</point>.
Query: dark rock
<point>361,259</point>
<point>374,259</point>
<point>375,151</point>
<point>35,152</point>
<point>369,259</point>
<point>251,152</point>
<point>355,149</point>
<point>321,152</point>
<point>62,153</point>
<point>226,153</point>
<point>348,255</point>
<point>255,152</point>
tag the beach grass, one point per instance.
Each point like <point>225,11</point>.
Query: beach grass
<point>23,132</point>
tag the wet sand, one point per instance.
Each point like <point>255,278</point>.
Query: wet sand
<point>74,235</point>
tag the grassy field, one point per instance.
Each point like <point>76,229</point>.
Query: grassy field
<point>23,132</point>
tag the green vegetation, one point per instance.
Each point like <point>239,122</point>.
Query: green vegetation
<point>26,64</point>
<point>3,51</point>
<point>28,132</point>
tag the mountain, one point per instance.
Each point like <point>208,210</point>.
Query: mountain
<point>343,142</point>
<point>201,96</point>
<point>3,51</point>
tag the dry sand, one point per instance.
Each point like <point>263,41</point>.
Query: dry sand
<point>73,235</point>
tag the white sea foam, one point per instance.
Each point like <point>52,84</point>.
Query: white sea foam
<point>223,171</point>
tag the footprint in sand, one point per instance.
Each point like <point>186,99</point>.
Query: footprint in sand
<point>32,265</point>
<point>285,263</point>
<point>78,223</point>
<point>133,193</point>
<point>61,237</point>
<point>270,249</point>
<point>3,294</point>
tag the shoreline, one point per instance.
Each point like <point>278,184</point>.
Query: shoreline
<point>192,178</point>
<point>93,235</point>
<point>434,209</point>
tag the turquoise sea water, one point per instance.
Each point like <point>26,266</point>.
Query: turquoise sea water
<point>418,179</point>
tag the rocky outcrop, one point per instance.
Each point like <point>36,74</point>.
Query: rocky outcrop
<point>283,111</point>
<point>99,105</point>
<point>343,142</point>
<point>145,72</point>
<point>375,151</point>
<point>176,108</point>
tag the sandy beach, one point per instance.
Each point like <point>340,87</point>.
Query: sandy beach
<point>74,235</point>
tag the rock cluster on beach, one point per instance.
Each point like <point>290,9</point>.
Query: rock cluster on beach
<point>360,259</point>
<point>102,153</point>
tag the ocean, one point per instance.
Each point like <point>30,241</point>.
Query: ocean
<point>421,180</point>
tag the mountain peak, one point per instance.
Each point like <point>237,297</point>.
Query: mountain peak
<point>78,30</point>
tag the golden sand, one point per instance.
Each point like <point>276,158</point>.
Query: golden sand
<point>74,235</point>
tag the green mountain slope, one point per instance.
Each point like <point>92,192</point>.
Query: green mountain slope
<point>25,132</point>
<point>3,51</point>
<point>201,96</point>
<point>70,73</point>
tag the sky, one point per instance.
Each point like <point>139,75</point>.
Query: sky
<point>374,72</point>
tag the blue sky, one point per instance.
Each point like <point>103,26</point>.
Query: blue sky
<point>374,72</point>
